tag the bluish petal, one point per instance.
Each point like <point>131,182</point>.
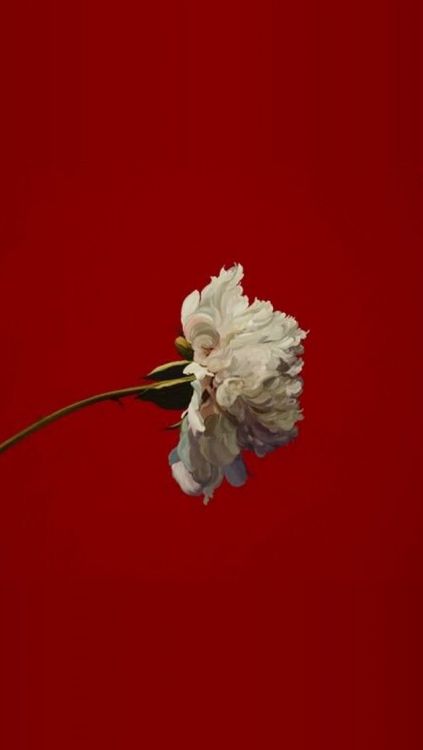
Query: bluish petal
<point>236,472</point>
<point>173,457</point>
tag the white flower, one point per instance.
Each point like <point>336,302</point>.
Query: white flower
<point>247,359</point>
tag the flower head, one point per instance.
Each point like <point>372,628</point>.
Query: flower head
<point>246,363</point>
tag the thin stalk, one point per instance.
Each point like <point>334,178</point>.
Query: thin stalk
<point>108,396</point>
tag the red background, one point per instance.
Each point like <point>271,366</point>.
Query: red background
<point>145,145</point>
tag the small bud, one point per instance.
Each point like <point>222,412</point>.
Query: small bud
<point>184,348</point>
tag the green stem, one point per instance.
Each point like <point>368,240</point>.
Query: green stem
<point>108,396</point>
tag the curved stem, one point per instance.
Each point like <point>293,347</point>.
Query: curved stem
<point>108,396</point>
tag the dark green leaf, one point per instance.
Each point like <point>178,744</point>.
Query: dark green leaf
<point>169,371</point>
<point>175,396</point>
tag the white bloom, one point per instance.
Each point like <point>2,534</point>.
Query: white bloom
<point>246,365</point>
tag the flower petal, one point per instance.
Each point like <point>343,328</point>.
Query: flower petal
<point>185,479</point>
<point>189,305</point>
<point>236,472</point>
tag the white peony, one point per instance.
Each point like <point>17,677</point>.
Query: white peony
<point>246,363</point>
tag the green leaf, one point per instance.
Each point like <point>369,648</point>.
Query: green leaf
<point>168,370</point>
<point>170,394</point>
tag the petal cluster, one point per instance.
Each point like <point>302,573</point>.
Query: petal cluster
<point>247,363</point>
